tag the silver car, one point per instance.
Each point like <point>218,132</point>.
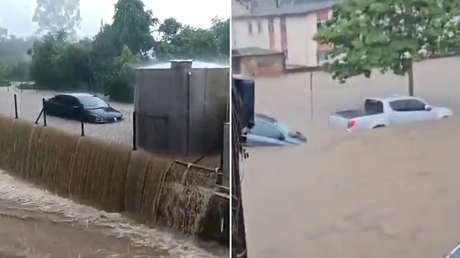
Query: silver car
<point>267,131</point>
<point>383,112</point>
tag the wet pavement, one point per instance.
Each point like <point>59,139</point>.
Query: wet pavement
<point>393,192</point>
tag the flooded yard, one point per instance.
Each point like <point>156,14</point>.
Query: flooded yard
<point>30,104</point>
<point>393,192</point>
<point>38,224</point>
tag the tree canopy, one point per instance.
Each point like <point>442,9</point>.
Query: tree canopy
<point>182,41</point>
<point>58,60</point>
<point>57,15</point>
<point>13,57</point>
<point>133,26</point>
<point>388,35</point>
<point>170,27</point>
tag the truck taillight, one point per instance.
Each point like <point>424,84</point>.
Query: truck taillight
<point>351,123</point>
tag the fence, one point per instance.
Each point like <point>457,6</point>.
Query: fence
<point>43,113</point>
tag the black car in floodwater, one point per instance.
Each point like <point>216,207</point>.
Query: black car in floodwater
<point>267,131</point>
<point>82,105</point>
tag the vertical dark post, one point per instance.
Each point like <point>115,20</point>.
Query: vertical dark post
<point>44,112</point>
<point>411,78</point>
<point>189,74</point>
<point>15,107</point>
<point>81,120</point>
<point>311,96</point>
<point>226,155</point>
<point>134,131</point>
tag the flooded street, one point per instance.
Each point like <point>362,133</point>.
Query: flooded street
<point>38,224</point>
<point>393,192</point>
<point>30,104</point>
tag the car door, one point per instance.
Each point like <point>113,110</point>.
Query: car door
<point>69,106</point>
<point>56,106</point>
<point>408,111</point>
<point>74,107</point>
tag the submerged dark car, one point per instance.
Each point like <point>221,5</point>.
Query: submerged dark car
<point>267,131</point>
<point>82,106</point>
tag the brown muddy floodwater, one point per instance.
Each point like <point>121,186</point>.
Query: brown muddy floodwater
<point>393,192</point>
<point>37,224</point>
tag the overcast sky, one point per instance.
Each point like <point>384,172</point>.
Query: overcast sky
<point>16,15</point>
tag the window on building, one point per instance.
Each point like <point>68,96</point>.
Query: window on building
<point>250,27</point>
<point>259,27</point>
<point>320,24</point>
<point>323,56</point>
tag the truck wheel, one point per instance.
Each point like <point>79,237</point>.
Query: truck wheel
<point>378,126</point>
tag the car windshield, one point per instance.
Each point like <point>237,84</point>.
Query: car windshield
<point>90,102</point>
<point>456,254</point>
<point>284,128</point>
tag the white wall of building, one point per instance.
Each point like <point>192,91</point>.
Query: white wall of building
<point>243,38</point>
<point>239,9</point>
<point>277,32</point>
<point>300,30</point>
<point>311,45</point>
<point>296,40</point>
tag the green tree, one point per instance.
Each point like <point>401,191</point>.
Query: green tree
<point>74,65</point>
<point>133,25</point>
<point>45,53</point>
<point>57,15</point>
<point>120,85</point>
<point>169,28</point>
<point>103,54</point>
<point>60,65</point>
<point>189,43</point>
<point>221,29</point>
<point>388,35</point>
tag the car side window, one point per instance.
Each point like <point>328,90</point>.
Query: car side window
<point>68,101</point>
<point>59,100</point>
<point>73,102</point>
<point>407,105</point>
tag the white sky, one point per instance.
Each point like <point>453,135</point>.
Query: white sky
<point>16,15</point>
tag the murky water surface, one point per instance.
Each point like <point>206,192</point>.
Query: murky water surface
<point>393,192</point>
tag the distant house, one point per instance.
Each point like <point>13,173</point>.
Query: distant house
<point>254,61</point>
<point>282,26</point>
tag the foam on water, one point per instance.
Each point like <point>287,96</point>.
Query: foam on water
<point>114,224</point>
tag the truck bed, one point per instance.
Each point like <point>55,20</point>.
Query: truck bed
<point>355,113</point>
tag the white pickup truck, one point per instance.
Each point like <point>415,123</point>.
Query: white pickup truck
<point>379,113</point>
